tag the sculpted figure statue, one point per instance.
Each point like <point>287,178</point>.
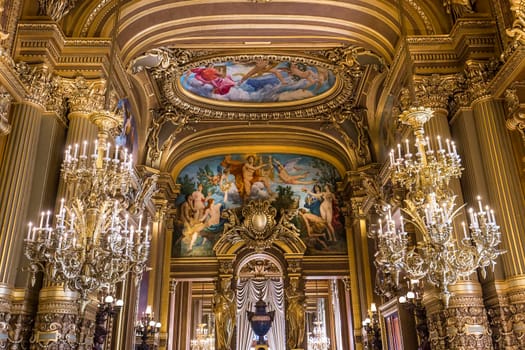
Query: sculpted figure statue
<point>295,316</point>
<point>225,315</point>
<point>459,8</point>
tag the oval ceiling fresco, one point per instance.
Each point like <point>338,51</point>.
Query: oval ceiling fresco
<point>260,81</point>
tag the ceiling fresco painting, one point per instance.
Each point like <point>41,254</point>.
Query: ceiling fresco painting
<point>259,81</point>
<point>301,183</point>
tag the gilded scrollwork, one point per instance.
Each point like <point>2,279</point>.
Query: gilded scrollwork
<point>5,104</point>
<point>171,119</point>
<point>258,226</point>
<point>351,120</point>
<point>515,117</point>
<point>56,9</point>
<point>517,32</point>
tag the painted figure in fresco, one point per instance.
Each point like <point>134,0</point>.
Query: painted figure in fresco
<point>226,183</point>
<point>316,227</point>
<point>212,213</point>
<point>295,316</point>
<point>198,201</point>
<point>191,226</point>
<point>224,309</point>
<point>312,202</point>
<point>215,76</point>
<point>326,208</point>
<point>250,176</point>
<point>261,67</point>
<point>284,173</point>
<point>300,71</point>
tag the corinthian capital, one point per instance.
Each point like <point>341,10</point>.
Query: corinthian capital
<point>436,90</point>
<point>41,85</point>
<point>84,96</point>
<point>5,103</point>
<point>56,9</point>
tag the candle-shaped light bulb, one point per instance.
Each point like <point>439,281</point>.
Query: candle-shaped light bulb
<point>140,222</point>
<point>148,310</point>
<point>131,234</point>
<point>48,214</point>
<point>407,146</point>
<point>116,152</point>
<point>399,150</point>
<point>428,143</point>
<point>108,146</point>
<point>464,229</point>
<point>402,224</point>
<point>373,307</point>
<point>146,236</point>
<point>480,205</point>
<point>42,219</point>
<point>454,148</point>
<point>29,230</point>
<point>95,151</point>
<point>448,145</point>
<point>439,143</point>
<point>76,151</point>
<point>84,148</point>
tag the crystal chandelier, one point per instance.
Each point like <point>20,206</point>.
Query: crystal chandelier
<point>317,339</point>
<point>202,340</point>
<point>439,257</point>
<point>90,242</point>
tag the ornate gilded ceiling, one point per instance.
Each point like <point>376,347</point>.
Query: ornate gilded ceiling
<point>319,74</point>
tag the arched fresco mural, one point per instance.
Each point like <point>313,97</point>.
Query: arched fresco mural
<point>291,181</point>
<point>259,81</point>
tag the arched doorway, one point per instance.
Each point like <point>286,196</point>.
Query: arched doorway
<point>260,277</point>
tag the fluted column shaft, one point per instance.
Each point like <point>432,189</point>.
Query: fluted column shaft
<point>16,174</point>
<point>502,178</point>
<point>505,300</point>
<point>361,293</point>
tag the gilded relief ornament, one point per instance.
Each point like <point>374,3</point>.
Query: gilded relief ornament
<point>5,104</point>
<point>515,117</point>
<point>170,119</point>
<point>258,226</point>
<point>517,32</point>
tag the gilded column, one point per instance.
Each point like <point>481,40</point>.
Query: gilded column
<point>466,306</point>
<point>16,181</point>
<point>360,286</point>
<point>505,194</point>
